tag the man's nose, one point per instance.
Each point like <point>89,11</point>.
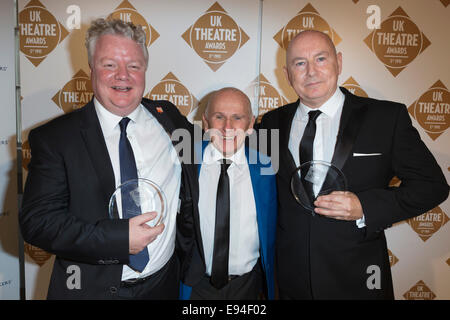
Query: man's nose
<point>122,73</point>
<point>311,69</point>
<point>228,125</point>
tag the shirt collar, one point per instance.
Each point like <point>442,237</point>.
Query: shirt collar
<point>213,155</point>
<point>329,108</point>
<point>109,121</point>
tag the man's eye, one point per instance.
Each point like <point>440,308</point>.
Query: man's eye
<point>321,58</point>
<point>300,63</point>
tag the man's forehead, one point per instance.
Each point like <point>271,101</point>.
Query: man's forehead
<point>316,40</point>
<point>223,109</point>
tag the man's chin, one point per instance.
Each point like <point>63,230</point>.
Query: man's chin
<point>226,148</point>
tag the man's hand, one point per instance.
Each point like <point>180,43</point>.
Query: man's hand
<point>341,205</point>
<point>140,233</point>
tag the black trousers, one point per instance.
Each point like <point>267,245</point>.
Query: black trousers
<point>162,285</point>
<point>245,287</point>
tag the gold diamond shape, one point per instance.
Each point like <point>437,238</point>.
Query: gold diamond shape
<point>126,12</point>
<point>40,32</point>
<point>419,291</point>
<point>306,19</point>
<point>75,94</point>
<point>428,223</point>
<point>353,86</point>
<point>392,258</point>
<point>398,41</point>
<point>171,89</point>
<point>431,110</point>
<point>215,36</point>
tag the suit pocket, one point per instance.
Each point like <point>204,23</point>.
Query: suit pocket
<point>373,154</point>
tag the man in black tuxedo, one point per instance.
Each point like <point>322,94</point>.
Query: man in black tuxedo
<point>340,252</point>
<point>80,158</point>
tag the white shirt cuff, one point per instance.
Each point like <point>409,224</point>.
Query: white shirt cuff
<point>361,223</point>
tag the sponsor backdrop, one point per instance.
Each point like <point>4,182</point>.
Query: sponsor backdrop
<point>394,50</point>
<point>9,263</point>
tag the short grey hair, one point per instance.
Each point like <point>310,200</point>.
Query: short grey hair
<point>214,95</point>
<point>101,27</point>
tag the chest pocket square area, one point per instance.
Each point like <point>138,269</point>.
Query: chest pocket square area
<point>367,154</point>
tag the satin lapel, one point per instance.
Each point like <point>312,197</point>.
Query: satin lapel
<point>158,112</point>
<point>199,150</point>
<point>351,119</point>
<point>255,177</point>
<point>285,130</point>
<point>92,135</point>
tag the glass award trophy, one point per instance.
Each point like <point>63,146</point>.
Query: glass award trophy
<point>313,179</point>
<point>138,196</point>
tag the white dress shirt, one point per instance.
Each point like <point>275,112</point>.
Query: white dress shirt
<point>244,239</point>
<point>327,127</point>
<point>156,160</point>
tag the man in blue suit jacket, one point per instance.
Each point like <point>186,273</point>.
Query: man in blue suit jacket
<point>249,238</point>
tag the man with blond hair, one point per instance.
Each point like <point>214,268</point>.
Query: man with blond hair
<point>80,158</point>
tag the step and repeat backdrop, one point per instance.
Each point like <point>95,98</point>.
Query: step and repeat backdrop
<point>9,263</point>
<point>392,49</point>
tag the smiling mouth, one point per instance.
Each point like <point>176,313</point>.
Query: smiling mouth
<point>312,84</point>
<point>121,89</point>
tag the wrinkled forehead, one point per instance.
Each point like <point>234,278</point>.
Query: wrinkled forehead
<point>310,40</point>
<point>229,102</point>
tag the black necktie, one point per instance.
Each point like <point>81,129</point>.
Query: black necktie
<point>306,149</point>
<point>306,144</point>
<point>128,171</point>
<point>219,271</point>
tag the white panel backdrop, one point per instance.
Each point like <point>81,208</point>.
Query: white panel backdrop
<point>420,251</point>
<point>9,265</point>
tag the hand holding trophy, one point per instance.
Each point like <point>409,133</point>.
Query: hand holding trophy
<point>134,198</point>
<point>313,179</point>
<point>137,196</point>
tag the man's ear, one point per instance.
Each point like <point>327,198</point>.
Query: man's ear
<point>205,122</point>
<point>286,74</point>
<point>339,62</point>
<point>250,127</point>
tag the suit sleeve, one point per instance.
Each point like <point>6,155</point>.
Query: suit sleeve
<point>423,185</point>
<point>45,218</point>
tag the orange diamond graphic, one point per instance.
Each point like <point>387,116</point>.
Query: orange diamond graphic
<point>351,85</point>
<point>419,291</point>
<point>37,254</point>
<point>171,89</point>
<point>75,93</point>
<point>428,223</point>
<point>398,41</point>
<point>392,258</point>
<point>127,13</point>
<point>40,32</point>
<point>215,36</point>
<point>306,19</point>
<point>431,110</point>
<point>269,97</point>
<point>445,2</point>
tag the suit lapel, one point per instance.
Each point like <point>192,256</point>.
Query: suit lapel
<point>255,177</point>
<point>351,118</point>
<point>285,130</point>
<point>92,135</point>
<point>158,111</point>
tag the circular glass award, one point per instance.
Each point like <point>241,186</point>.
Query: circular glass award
<point>313,179</point>
<point>138,196</point>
